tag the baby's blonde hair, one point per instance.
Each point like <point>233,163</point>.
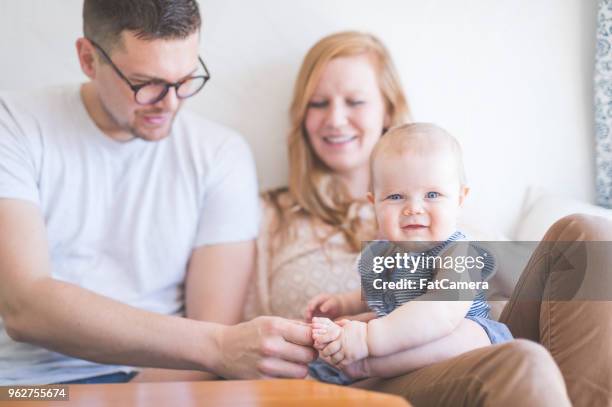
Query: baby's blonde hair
<point>419,138</point>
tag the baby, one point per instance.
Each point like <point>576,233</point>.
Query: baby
<point>418,187</point>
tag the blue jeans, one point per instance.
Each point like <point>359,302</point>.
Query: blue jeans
<point>119,377</point>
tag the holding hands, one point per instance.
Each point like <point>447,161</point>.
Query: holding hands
<point>264,347</point>
<point>341,343</point>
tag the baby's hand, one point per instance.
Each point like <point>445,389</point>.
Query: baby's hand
<point>349,347</point>
<point>323,305</point>
<point>324,331</point>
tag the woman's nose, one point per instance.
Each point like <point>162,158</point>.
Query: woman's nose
<point>336,115</point>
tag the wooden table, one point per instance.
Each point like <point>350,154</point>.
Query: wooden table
<point>261,393</point>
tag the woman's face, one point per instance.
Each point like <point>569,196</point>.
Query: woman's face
<point>346,114</point>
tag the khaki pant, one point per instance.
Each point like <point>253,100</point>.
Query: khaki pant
<point>572,359</point>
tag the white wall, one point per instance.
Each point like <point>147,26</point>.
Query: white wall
<point>510,78</point>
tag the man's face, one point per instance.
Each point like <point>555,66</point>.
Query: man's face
<point>142,61</point>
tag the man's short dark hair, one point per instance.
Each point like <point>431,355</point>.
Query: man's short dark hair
<point>105,20</point>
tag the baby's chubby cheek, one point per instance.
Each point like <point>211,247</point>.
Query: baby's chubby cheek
<point>390,230</point>
<point>388,223</point>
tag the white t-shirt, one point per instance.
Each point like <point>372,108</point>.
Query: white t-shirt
<point>122,218</point>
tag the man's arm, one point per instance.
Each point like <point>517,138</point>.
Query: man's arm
<point>68,319</point>
<point>217,280</point>
<point>65,318</point>
<point>215,288</point>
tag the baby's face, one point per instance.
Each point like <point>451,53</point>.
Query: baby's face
<point>417,197</point>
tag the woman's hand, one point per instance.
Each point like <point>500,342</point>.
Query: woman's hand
<point>324,305</point>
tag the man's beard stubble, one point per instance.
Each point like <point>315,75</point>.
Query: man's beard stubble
<point>133,130</point>
<point>137,134</point>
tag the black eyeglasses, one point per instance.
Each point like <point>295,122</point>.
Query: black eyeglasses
<point>153,91</point>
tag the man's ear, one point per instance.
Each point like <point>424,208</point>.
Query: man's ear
<point>370,197</point>
<point>463,193</point>
<point>87,58</point>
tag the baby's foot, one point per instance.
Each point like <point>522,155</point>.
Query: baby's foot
<point>324,331</point>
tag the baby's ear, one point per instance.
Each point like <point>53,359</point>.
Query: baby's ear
<point>463,193</point>
<point>370,197</point>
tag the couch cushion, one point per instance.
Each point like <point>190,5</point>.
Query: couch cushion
<point>541,209</point>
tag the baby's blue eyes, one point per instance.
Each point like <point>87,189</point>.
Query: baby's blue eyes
<point>428,195</point>
<point>394,197</point>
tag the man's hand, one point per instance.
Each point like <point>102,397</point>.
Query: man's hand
<point>264,347</point>
<point>324,305</point>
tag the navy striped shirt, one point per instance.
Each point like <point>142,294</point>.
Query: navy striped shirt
<point>383,301</point>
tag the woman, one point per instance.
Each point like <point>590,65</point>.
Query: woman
<point>346,95</point>
<point>326,212</point>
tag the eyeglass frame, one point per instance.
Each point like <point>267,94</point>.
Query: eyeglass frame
<point>167,85</point>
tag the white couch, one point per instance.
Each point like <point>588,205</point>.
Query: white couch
<point>539,211</point>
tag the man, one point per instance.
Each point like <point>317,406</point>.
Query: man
<point>119,213</point>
